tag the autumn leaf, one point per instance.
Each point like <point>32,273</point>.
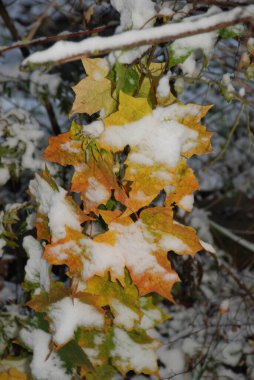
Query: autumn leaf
<point>41,302</point>
<point>130,109</point>
<point>124,356</point>
<point>95,180</point>
<point>183,183</point>
<point>123,301</point>
<point>93,93</point>
<point>13,374</point>
<point>42,227</point>
<point>63,150</point>
<point>160,136</point>
<point>66,251</point>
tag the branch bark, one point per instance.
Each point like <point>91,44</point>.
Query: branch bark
<point>63,51</point>
<point>25,52</point>
<point>58,37</point>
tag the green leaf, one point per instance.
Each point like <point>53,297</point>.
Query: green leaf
<point>127,79</point>
<point>238,30</point>
<point>73,356</point>
<point>105,372</point>
<point>175,58</point>
<point>47,177</point>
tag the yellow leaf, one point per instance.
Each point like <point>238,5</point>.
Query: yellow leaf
<point>13,374</point>
<point>183,183</point>
<point>93,93</point>
<point>67,251</point>
<point>130,109</point>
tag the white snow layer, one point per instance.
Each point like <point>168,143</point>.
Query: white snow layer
<point>134,248</point>
<point>4,175</point>
<point>129,354</point>
<point>37,269</point>
<point>54,204</point>
<point>94,129</point>
<point>124,316</point>
<point>68,314</point>
<point>65,49</point>
<point>44,365</point>
<point>156,138</point>
<point>133,15</point>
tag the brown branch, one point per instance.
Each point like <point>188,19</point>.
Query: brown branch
<point>52,116</point>
<point>221,3</point>
<point>25,52</point>
<point>136,38</point>
<point>9,24</point>
<point>45,40</point>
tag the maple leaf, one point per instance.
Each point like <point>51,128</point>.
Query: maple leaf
<point>65,312</point>
<point>183,183</point>
<point>93,92</point>
<point>56,205</point>
<point>141,247</point>
<point>130,109</point>
<point>95,180</point>
<point>63,150</point>
<point>134,351</point>
<point>123,301</point>
<point>42,227</point>
<point>13,374</point>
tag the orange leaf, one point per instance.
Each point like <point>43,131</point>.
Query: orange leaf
<point>65,151</point>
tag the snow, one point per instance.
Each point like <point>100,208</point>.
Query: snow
<point>134,248</point>
<point>133,15</point>
<point>2,245</point>
<point>53,203</point>
<point>224,306</point>
<point>95,192</point>
<point>44,365</point>
<point>226,81</point>
<point>172,243</point>
<point>242,92</point>
<point>128,354</point>
<point>44,83</point>
<point>147,147</point>
<point>21,133</point>
<point>124,316</point>
<point>64,49</point>
<point>173,360</point>
<point>69,314</point>
<point>4,175</point>
<point>150,317</point>
<point>37,269</point>
<point>94,129</point>
<point>163,89</point>
<point>187,202</point>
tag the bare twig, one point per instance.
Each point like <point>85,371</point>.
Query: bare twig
<point>58,37</point>
<point>238,281</point>
<point>25,52</point>
<point>10,25</point>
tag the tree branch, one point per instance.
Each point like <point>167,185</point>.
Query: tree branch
<point>25,52</point>
<point>10,25</point>
<point>58,37</point>
<point>63,51</point>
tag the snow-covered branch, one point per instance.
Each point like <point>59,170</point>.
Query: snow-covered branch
<point>64,51</point>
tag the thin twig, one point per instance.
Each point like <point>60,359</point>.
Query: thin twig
<point>58,37</point>
<point>10,25</point>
